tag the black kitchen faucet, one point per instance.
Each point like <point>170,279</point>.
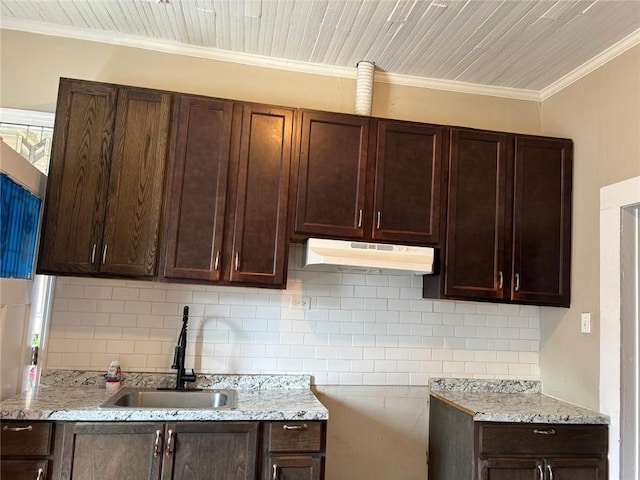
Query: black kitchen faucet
<point>178,358</point>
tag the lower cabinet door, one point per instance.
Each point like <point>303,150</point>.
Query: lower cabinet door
<point>511,469</point>
<point>104,451</point>
<point>24,469</point>
<point>210,451</point>
<point>295,467</point>
<point>576,469</point>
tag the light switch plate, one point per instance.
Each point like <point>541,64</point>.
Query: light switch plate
<point>585,323</point>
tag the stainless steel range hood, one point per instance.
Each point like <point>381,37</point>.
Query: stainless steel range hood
<point>347,255</point>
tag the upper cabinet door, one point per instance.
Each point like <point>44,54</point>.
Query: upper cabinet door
<point>198,189</point>
<point>542,221</point>
<point>408,172</point>
<point>479,179</point>
<point>136,183</point>
<point>331,175</point>
<point>74,211</point>
<point>260,237</point>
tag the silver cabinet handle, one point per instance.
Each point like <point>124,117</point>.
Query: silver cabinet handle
<point>169,451</point>
<point>237,261</point>
<point>93,254</point>
<point>104,254</point>
<point>274,475</point>
<point>40,474</point>
<point>550,431</point>
<point>517,282</point>
<point>359,218</point>
<point>550,471</point>
<point>304,426</point>
<point>540,472</point>
<point>379,216</point>
<point>216,265</point>
<point>500,280</point>
<point>157,444</point>
<point>28,428</point>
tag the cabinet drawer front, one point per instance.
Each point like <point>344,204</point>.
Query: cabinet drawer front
<point>26,438</point>
<point>296,437</point>
<point>24,469</point>
<point>537,439</point>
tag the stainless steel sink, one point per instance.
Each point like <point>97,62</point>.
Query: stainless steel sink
<point>168,399</point>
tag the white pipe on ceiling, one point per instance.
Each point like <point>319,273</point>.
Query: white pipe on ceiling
<point>364,87</point>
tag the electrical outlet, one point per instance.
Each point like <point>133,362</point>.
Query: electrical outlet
<point>585,323</point>
<point>301,303</point>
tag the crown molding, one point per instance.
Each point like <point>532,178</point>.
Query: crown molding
<point>596,62</point>
<point>164,46</point>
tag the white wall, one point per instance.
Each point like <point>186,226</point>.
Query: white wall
<point>601,113</point>
<point>371,329</point>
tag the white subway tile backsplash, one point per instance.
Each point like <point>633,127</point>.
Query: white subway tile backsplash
<point>362,329</point>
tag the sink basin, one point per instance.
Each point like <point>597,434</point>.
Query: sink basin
<point>180,399</point>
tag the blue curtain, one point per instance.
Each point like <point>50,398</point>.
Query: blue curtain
<point>19,214</point>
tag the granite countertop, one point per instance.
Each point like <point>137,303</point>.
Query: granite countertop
<point>77,396</point>
<point>510,401</point>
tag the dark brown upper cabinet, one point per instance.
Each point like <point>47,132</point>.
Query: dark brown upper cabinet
<point>198,189</point>
<point>106,179</point>
<point>407,178</point>
<point>228,198</point>
<point>508,228</point>
<point>541,263</point>
<point>332,174</point>
<point>368,179</point>
<point>259,239</point>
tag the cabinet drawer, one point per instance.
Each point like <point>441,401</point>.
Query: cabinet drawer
<point>296,436</point>
<point>537,439</point>
<point>24,469</point>
<point>26,438</point>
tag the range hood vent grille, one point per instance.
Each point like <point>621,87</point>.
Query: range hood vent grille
<point>362,256</point>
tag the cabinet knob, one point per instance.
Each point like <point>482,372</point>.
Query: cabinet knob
<point>237,262</point>
<point>93,254</point>
<point>216,265</point>
<point>274,474</point>
<point>28,428</point>
<point>540,472</point>
<point>550,472</point>
<point>517,282</point>
<point>104,254</point>
<point>40,474</point>
<point>500,280</point>
<point>359,218</point>
<point>550,431</point>
<point>378,218</point>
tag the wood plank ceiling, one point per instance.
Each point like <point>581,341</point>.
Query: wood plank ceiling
<point>516,44</point>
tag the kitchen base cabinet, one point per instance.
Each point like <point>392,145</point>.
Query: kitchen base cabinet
<point>460,448</point>
<point>167,451</point>
<point>27,449</point>
<point>294,450</point>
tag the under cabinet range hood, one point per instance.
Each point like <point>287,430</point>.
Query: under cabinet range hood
<point>362,256</point>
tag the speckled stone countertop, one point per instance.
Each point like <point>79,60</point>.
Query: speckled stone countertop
<point>77,396</point>
<point>510,401</point>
